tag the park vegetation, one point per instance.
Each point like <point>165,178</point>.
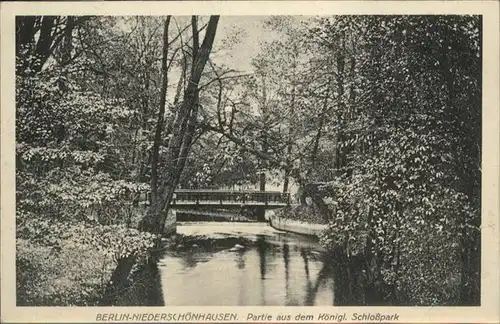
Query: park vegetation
<point>376,119</point>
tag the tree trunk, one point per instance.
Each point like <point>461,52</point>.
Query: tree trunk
<point>182,134</point>
<point>25,31</point>
<point>286,179</point>
<point>313,192</point>
<point>155,152</point>
<point>68,41</point>
<point>264,133</point>
<point>317,138</point>
<point>288,162</point>
<point>118,280</point>
<point>339,155</point>
<point>44,44</point>
<point>263,164</point>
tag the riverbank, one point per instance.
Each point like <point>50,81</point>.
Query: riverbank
<point>298,227</point>
<point>300,219</point>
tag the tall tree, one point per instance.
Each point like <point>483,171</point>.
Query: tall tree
<point>155,152</point>
<point>183,130</point>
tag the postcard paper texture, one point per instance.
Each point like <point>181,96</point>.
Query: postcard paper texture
<point>287,161</point>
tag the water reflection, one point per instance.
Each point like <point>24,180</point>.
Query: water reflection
<point>278,269</point>
<point>240,260</point>
<point>189,259</point>
<point>262,246</point>
<point>286,260</point>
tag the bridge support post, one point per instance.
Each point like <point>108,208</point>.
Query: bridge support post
<point>260,212</point>
<point>170,223</point>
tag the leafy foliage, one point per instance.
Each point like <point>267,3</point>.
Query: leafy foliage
<point>71,264</point>
<point>409,182</point>
<point>75,203</point>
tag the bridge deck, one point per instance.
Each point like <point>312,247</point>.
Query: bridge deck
<point>204,197</point>
<point>225,203</point>
<point>228,197</point>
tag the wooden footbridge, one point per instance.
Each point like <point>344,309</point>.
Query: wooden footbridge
<point>251,204</point>
<point>229,198</point>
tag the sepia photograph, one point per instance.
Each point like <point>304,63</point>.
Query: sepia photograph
<point>275,160</point>
<point>248,160</point>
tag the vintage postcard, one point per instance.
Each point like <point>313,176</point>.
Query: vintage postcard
<point>250,161</point>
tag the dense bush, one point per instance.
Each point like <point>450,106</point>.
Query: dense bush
<point>60,263</point>
<point>410,176</point>
<point>75,211</point>
<point>305,213</point>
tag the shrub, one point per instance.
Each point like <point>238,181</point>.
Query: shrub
<point>304,213</point>
<point>62,264</point>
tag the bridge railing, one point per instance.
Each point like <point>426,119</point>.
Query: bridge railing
<point>221,196</point>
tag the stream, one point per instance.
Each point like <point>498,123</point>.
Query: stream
<point>274,268</point>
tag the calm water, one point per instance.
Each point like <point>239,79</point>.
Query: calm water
<point>279,269</point>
